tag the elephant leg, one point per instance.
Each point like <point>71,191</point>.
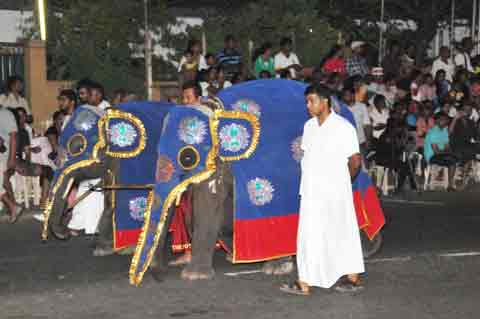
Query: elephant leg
<point>57,227</point>
<point>208,215</point>
<point>104,242</point>
<point>158,266</point>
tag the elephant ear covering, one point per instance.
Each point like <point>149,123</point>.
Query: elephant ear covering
<point>185,148</point>
<point>267,181</point>
<point>134,133</point>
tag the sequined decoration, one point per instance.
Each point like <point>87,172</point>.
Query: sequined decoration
<point>123,134</point>
<point>260,191</point>
<point>192,130</point>
<point>85,120</point>
<point>246,105</point>
<point>296,148</point>
<point>234,137</point>
<point>137,207</point>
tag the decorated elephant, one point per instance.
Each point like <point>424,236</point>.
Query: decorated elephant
<point>255,141</point>
<point>118,145</point>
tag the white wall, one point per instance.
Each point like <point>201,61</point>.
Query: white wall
<point>11,24</point>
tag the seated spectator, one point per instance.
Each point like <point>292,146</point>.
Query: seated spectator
<point>379,116</point>
<point>188,67</point>
<point>390,91</point>
<point>444,63</point>
<point>223,83</point>
<point>417,81</point>
<point>53,133</point>
<point>437,147</point>
<point>427,90</point>
<point>211,63</point>
<point>390,149</point>
<point>425,121</point>
<point>209,86</point>
<point>356,64</point>
<point>264,61</point>
<point>442,86</point>
<point>119,96</point>
<point>230,58</point>
<point>334,62</point>
<point>286,60</point>
<point>463,135</point>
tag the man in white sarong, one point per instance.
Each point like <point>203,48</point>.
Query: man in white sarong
<point>328,240</point>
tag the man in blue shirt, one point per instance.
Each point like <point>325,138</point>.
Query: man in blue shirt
<point>437,147</point>
<point>230,59</point>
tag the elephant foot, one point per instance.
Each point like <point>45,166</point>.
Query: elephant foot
<point>158,273</point>
<point>59,232</point>
<point>185,259</point>
<point>189,273</point>
<point>102,251</point>
<point>278,267</point>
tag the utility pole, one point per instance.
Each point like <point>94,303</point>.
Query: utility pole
<point>148,53</point>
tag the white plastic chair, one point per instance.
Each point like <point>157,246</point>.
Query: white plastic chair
<point>428,182</point>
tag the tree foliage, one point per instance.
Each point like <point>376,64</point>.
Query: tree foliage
<point>99,40</point>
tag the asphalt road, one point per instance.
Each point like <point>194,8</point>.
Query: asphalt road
<point>428,268</point>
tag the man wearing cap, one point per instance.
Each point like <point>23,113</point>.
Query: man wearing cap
<point>357,64</point>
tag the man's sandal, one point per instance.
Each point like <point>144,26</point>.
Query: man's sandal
<point>345,285</point>
<point>295,289</point>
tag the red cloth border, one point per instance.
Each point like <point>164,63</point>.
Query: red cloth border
<point>125,238</point>
<point>254,239</point>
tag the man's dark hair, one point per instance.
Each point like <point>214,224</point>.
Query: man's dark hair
<point>378,98</point>
<point>193,85</point>
<point>57,114</point>
<point>229,38</point>
<point>209,55</point>
<point>348,90</point>
<point>285,41</point>
<point>69,94</point>
<point>11,81</point>
<point>84,84</point>
<point>440,115</point>
<point>98,87</point>
<point>320,90</point>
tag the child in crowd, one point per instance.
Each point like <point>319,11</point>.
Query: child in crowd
<point>427,91</point>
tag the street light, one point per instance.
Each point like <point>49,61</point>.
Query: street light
<point>41,19</point>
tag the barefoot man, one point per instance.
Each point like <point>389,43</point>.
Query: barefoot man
<point>328,240</point>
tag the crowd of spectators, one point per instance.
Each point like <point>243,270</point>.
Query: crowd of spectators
<point>401,108</point>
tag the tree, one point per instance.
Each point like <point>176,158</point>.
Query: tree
<point>100,40</point>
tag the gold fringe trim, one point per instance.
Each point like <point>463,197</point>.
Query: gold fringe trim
<point>117,114</point>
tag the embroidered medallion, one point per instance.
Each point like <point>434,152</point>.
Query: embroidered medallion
<point>123,134</point>
<point>296,148</point>
<point>85,120</point>
<point>137,207</point>
<point>260,191</point>
<point>234,137</point>
<point>192,130</point>
<point>246,105</point>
